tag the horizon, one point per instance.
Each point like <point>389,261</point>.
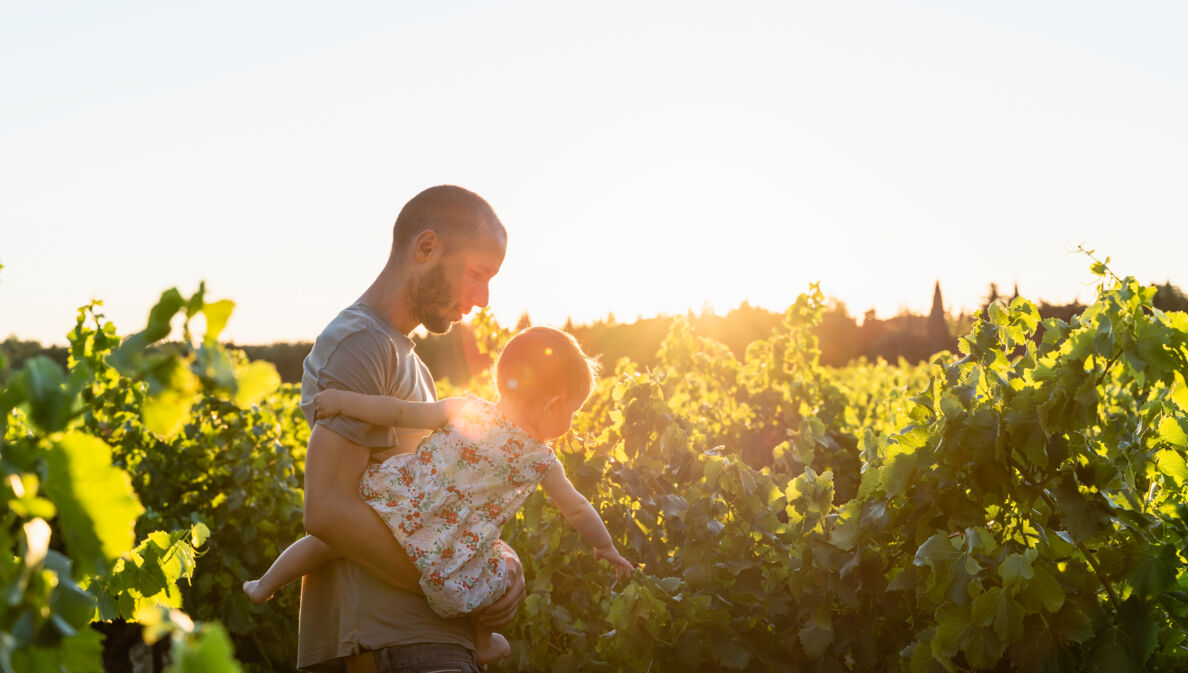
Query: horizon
<point>646,160</point>
<point>950,312</point>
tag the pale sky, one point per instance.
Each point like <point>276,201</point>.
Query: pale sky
<point>645,157</point>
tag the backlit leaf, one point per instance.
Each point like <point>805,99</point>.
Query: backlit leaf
<point>97,507</point>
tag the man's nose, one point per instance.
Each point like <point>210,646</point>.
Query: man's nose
<point>477,294</point>
<point>480,295</point>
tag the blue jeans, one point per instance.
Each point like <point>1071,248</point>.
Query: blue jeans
<point>425,658</point>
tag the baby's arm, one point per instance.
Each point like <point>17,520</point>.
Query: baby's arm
<point>383,410</point>
<point>581,515</point>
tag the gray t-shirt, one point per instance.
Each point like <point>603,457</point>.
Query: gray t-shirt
<point>344,610</point>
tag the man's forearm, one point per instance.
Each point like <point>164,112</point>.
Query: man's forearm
<point>336,515</point>
<point>359,535</point>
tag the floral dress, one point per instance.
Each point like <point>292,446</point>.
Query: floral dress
<point>447,503</point>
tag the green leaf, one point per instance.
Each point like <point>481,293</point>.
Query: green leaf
<point>173,391</point>
<point>817,634</point>
<point>1128,642</point>
<point>983,649</point>
<point>80,652</point>
<point>1045,587</point>
<point>997,609</point>
<point>922,660</point>
<point>166,413</point>
<point>1080,516</point>
<point>161,315</point>
<point>207,650</point>
<point>979,540</point>
<point>897,474</point>
<point>953,628</point>
<point>1072,624</point>
<point>935,549</point>
<point>983,608</point>
<point>1171,432</point>
<point>52,398</point>
<point>1038,650</point>
<point>1156,572</point>
<point>258,380</point>
<point>199,534</point>
<point>217,315</point>
<point>730,652</point>
<point>69,600</point>
<point>1179,395</point>
<point>670,585</point>
<point>83,652</point>
<point>912,438</point>
<point>845,532</point>
<point>97,507</point>
<point>1172,464</point>
<point>1015,568</point>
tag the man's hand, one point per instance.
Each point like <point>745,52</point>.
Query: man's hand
<point>501,612</point>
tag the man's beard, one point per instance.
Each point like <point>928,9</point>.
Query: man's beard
<point>432,298</point>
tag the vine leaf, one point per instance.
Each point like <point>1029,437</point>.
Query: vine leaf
<point>97,507</point>
<point>1171,432</point>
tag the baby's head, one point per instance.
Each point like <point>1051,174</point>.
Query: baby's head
<point>545,375</point>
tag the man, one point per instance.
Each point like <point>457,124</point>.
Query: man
<point>364,612</point>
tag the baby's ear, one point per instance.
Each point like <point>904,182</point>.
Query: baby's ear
<point>555,402</point>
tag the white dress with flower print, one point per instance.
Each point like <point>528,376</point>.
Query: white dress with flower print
<point>447,503</point>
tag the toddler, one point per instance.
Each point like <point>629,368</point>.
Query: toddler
<point>447,502</point>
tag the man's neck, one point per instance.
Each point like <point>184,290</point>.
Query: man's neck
<point>387,296</point>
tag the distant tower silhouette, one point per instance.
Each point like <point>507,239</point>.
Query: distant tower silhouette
<point>938,328</point>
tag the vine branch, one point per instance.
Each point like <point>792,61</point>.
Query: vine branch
<point>1105,582</point>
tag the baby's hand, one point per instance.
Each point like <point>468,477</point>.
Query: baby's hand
<point>327,403</point>
<point>452,405</point>
<point>622,566</point>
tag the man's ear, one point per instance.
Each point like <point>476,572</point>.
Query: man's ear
<point>426,245</point>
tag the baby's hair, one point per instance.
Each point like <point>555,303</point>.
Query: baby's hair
<point>540,362</point>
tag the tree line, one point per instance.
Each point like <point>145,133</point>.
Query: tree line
<point>912,337</point>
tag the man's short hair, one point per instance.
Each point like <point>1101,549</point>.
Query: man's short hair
<point>455,213</point>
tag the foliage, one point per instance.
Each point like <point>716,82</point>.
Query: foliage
<point>1024,511</point>
<point>232,463</point>
<point>1017,505</point>
<point>71,516</point>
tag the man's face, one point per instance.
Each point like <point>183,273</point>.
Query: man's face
<point>454,285</point>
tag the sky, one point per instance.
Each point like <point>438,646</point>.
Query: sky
<point>645,157</point>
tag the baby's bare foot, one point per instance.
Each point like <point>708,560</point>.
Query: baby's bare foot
<point>255,592</point>
<point>497,648</point>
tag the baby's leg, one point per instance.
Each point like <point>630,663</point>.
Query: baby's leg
<point>300,558</point>
<point>489,646</point>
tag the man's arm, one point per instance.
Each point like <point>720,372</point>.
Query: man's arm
<point>335,513</point>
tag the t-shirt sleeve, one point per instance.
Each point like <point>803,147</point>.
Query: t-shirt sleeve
<point>361,362</point>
